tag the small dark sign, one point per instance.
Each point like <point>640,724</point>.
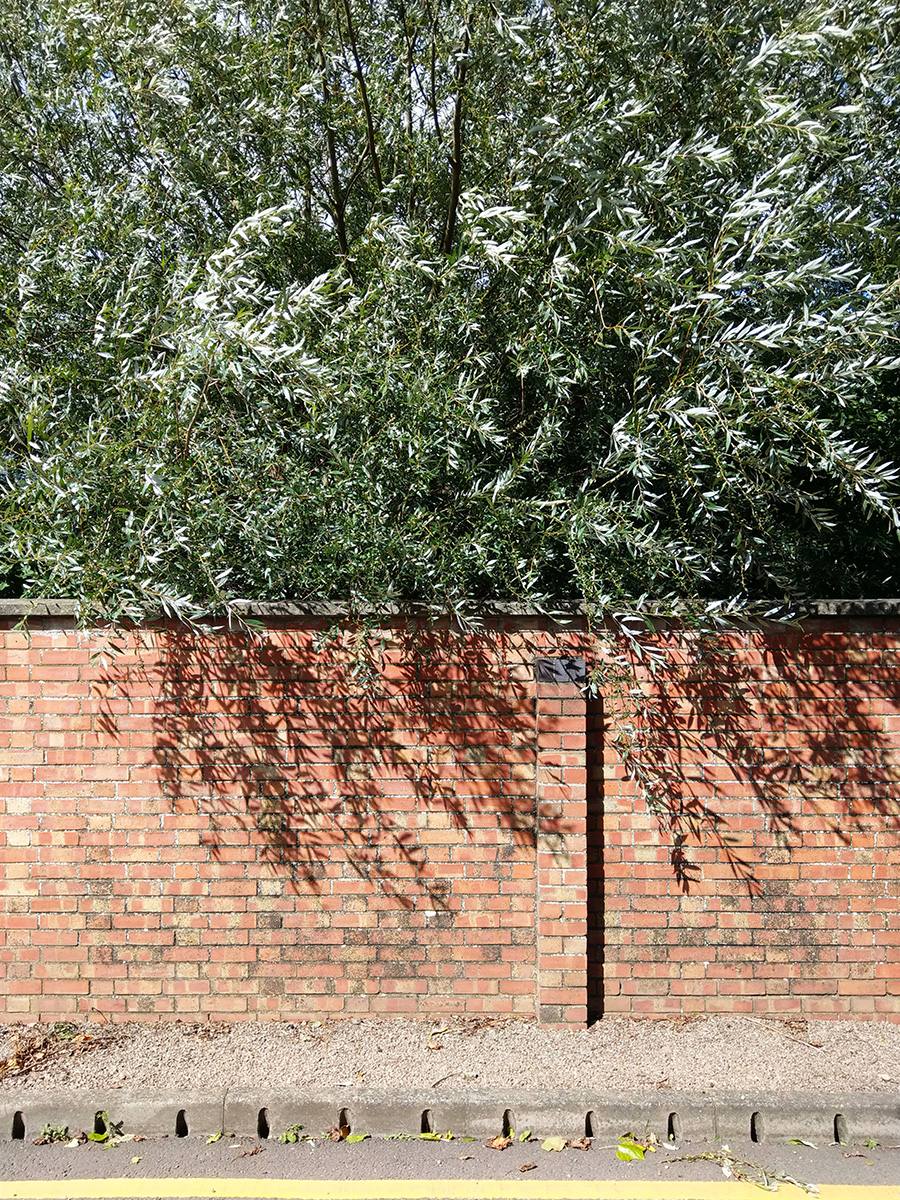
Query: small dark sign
<point>560,670</point>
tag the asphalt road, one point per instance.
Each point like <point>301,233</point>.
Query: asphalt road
<point>171,1158</point>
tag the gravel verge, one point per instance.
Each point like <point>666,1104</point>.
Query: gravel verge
<point>685,1054</point>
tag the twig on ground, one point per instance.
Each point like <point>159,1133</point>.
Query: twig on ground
<point>744,1170</point>
<point>770,1021</point>
<point>31,1053</point>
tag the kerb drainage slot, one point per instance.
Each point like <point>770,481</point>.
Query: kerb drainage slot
<point>757,1127</point>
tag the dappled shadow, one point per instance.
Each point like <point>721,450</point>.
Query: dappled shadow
<point>332,755</point>
<point>363,800</point>
<point>346,815</point>
<point>791,723</point>
<point>338,752</point>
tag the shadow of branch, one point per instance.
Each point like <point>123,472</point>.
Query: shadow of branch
<point>718,722</point>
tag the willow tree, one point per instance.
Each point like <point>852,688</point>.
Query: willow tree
<point>425,301</point>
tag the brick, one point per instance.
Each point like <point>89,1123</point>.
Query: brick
<point>398,837</point>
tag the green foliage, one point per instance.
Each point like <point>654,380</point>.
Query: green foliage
<point>291,1135</point>
<point>424,302</point>
<point>628,1149</point>
<point>53,1133</point>
<point>105,1129</point>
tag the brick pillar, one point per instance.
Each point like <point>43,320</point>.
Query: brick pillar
<point>561,843</point>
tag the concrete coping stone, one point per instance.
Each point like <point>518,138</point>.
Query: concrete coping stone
<point>564,612</point>
<point>267,1112</point>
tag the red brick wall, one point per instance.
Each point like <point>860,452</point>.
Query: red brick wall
<point>242,828</point>
<point>287,826</point>
<point>779,759</point>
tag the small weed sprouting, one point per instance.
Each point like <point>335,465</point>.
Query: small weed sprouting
<point>51,1134</point>
<point>292,1134</point>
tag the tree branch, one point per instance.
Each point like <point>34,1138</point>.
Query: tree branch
<point>364,96</point>
<point>338,197</point>
<point>462,66</point>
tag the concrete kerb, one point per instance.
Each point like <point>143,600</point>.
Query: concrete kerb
<point>821,1117</point>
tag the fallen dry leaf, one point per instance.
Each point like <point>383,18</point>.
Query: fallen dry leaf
<point>498,1143</point>
<point>137,1158</point>
<point>465,1157</point>
<point>435,1046</point>
<point>553,1143</point>
<point>35,1050</point>
<point>257,1149</point>
<point>528,1167</point>
<point>583,1143</point>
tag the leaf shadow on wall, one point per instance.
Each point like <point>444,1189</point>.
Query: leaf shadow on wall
<point>794,722</point>
<point>769,761</point>
<point>326,758</point>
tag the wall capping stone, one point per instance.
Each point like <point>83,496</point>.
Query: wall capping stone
<point>52,607</point>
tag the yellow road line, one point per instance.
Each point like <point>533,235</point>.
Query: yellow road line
<point>417,1189</point>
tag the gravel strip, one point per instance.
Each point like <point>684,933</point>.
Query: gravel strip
<point>688,1054</point>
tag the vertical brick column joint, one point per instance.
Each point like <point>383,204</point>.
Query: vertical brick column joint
<point>561,837</point>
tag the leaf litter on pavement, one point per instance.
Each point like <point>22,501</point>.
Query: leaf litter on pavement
<point>629,1149</point>
<point>35,1050</point>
